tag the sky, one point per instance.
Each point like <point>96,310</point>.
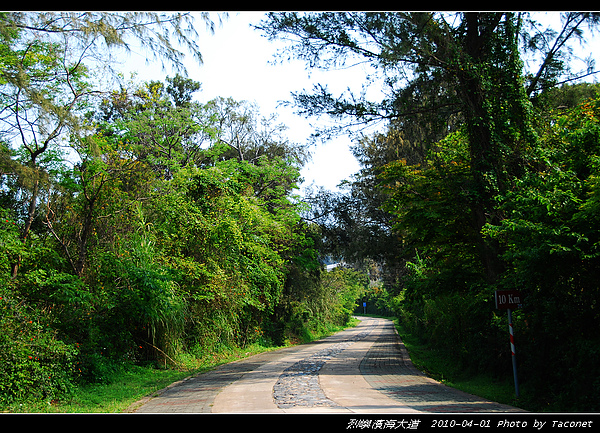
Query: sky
<point>239,62</point>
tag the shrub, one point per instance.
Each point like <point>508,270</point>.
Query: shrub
<point>34,363</point>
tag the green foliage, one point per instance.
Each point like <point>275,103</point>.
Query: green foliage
<point>342,289</point>
<point>550,237</point>
<point>316,302</point>
<point>34,363</point>
<point>158,245</point>
<point>547,237</point>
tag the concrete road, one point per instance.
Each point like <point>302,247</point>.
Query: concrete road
<point>365,369</point>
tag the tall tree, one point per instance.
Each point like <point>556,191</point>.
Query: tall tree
<point>48,60</point>
<point>448,68</point>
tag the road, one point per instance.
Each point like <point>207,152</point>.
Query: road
<point>364,369</point>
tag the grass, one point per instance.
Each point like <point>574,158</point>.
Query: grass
<point>132,383</point>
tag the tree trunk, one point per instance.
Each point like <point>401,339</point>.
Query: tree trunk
<point>484,152</point>
<point>28,223</point>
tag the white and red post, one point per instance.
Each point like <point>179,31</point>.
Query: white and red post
<point>512,350</point>
<point>507,300</point>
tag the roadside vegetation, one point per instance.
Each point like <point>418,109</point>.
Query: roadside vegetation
<point>547,244</point>
<point>128,385</point>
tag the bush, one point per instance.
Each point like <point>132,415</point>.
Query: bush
<point>34,363</point>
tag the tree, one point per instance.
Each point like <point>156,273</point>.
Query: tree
<point>181,89</point>
<point>163,129</point>
<point>549,237</point>
<point>48,60</point>
<point>462,67</point>
<point>250,136</point>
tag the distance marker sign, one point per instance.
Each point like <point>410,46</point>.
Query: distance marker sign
<point>508,299</point>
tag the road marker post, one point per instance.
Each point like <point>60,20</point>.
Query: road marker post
<point>509,300</point>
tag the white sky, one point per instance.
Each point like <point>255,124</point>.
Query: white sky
<point>238,63</point>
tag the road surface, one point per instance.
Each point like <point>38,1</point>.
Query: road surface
<point>364,369</point>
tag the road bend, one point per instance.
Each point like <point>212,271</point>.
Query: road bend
<point>365,369</point>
